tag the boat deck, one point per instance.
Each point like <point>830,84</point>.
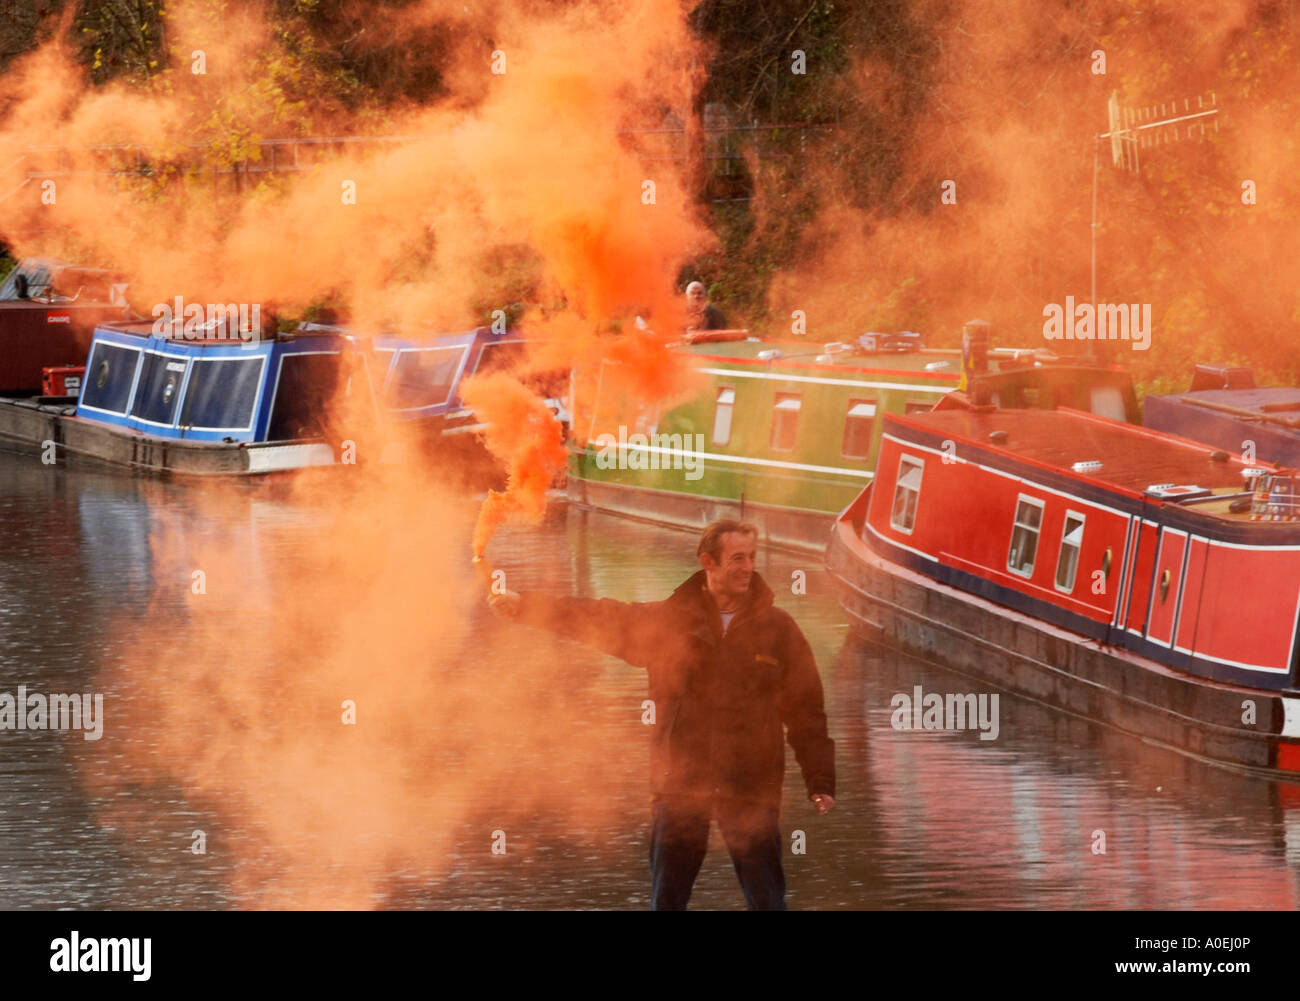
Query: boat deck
<point>1279,401</point>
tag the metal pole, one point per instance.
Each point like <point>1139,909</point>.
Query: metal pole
<point>1093,298</point>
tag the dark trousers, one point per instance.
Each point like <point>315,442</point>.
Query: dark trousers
<point>679,840</point>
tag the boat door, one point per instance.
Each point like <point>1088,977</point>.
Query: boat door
<point>1135,583</point>
<point>1166,591</point>
<point>159,387</point>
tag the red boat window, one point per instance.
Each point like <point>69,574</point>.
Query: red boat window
<point>785,421</point>
<point>907,493</point>
<point>726,403</point>
<point>1067,563</point>
<point>1024,536</point>
<point>858,422</point>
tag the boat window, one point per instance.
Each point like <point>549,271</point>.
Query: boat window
<point>383,362</point>
<point>161,378</point>
<point>907,493</point>
<point>222,394</point>
<point>303,394</point>
<point>1024,536</point>
<point>726,403</point>
<point>424,377</point>
<point>858,423</point>
<point>110,373</point>
<point>1067,564</point>
<point>500,356</point>
<point>1107,401</point>
<point>785,421</point>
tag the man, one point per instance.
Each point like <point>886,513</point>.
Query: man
<point>700,314</point>
<point>727,670</point>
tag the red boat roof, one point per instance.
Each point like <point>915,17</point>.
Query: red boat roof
<point>1132,458</point>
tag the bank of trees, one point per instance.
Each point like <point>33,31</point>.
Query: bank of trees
<point>911,94</point>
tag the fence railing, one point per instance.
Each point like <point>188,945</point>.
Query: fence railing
<point>726,147</point>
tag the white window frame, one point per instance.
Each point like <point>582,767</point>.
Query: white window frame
<point>275,390</point>
<point>1106,401</point>
<point>135,379</point>
<point>898,485</point>
<point>261,360</point>
<point>792,401</point>
<point>184,359</point>
<point>718,404</point>
<point>854,404</point>
<point>451,389</point>
<point>1078,549</point>
<point>1038,534</point>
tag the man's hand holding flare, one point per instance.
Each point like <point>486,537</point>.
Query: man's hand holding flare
<point>505,604</point>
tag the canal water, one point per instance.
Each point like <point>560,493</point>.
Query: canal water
<point>490,766</point>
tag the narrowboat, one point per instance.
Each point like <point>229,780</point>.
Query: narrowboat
<point>1115,572</point>
<point>786,433</point>
<point>215,404</point>
<point>48,311</point>
<point>1224,407</point>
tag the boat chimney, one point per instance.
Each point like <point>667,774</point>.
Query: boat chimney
<point>974,351</point>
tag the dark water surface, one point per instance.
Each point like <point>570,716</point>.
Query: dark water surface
<point>923,820</point>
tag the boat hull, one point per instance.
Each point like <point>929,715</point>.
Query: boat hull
<point>28,425</point>
<point>891,604</point>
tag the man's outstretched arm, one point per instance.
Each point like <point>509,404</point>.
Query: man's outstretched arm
<point>631,631</point>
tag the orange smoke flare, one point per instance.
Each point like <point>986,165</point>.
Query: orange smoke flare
<point>484,567</point>
<point>527,438</point>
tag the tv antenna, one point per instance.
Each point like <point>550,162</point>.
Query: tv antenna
<point>1133,129</point>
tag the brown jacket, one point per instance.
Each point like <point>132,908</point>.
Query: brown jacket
<point>720,701</point>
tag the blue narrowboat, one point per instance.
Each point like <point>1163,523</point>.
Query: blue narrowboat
<point>248,404</point>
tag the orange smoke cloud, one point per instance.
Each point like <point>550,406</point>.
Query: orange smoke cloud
<point>313,677</point>
<point>1006,110</point>
<point>344,593</point>
<point>529,441</point>
<point>528,156</point>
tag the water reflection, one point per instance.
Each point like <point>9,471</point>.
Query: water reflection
<point>923,820</point>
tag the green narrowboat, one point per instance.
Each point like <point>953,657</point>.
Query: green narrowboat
<point>786,433</point>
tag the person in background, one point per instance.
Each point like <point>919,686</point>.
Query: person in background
<point>701,314</point>
<point>732,678</point>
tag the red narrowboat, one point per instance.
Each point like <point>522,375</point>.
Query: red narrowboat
<point>1118,573</point>
<point>48,310</point>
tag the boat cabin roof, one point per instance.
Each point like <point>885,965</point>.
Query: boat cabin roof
<point>225,389</point>
<point>1274,401</point>
<point>739,346</point>
<point>50,280</point>
<point>1082,446</point>
<point>1228,417</point>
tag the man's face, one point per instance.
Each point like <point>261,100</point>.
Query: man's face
<point>729,575</point>
<point>696,296</point>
